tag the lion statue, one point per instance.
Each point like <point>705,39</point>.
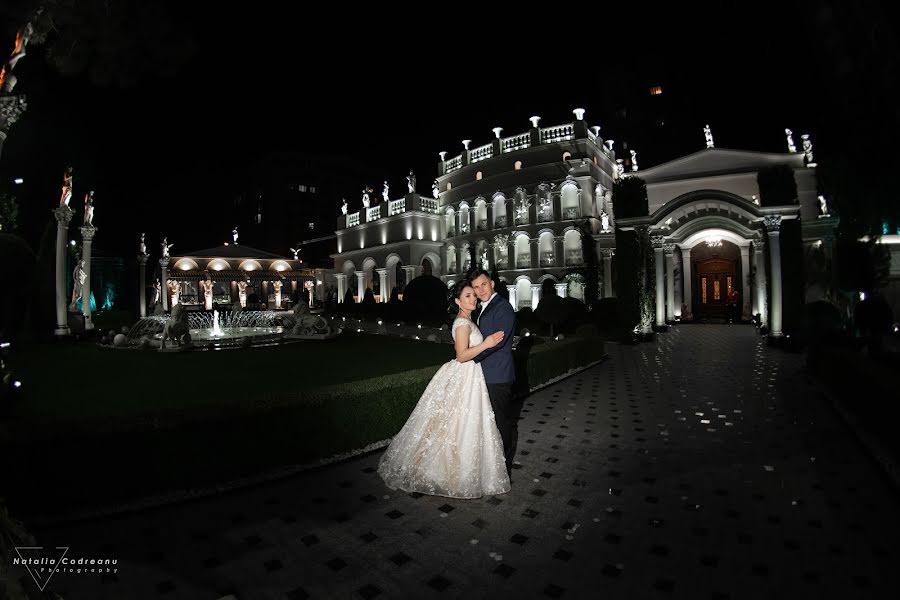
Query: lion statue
<point>176,328</point>
<point>306,323</point>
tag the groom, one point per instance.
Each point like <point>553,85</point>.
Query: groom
<point>497,362</point>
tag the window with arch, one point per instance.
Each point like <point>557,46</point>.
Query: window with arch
<point>478,176</point>
<point>518,165</point>
<point>449,186</point>
<point>567,156</point>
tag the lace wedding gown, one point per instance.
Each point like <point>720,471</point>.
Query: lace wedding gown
<point>450,445</point>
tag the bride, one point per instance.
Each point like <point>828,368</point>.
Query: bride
<point>450,445</point>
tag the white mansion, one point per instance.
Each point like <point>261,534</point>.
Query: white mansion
<point>516,200</point>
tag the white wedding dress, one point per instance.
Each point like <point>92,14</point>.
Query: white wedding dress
<point>450,445</point>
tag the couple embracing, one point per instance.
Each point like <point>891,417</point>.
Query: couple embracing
<point>460,439</point>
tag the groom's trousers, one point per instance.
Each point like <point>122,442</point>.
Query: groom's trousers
<point>507,421</point>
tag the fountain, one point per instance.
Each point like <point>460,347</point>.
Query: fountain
<point>212,330</point>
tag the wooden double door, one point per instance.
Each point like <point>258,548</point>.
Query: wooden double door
<point>715,286</point>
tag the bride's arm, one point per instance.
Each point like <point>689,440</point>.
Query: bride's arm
<point>461,344</point>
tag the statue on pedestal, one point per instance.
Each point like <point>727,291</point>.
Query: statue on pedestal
<point>207,286</point>
<point>89,209</point>
<point>344,206</point>
<point>143,246</point>
<point>276,285</point>
<point>296,252</point>
<point>604,222</point>
<point>177,328</point>
<point>234,234</point>
<point>411,182</point>
<point>66,188</point>
<point>435,190</point>
<point>385,194</point>
<point>709,138</point>
<point>634,165</point>
<point>174,291</point>
<point>790,140</point>
<point>165,247</point>
<point>157,292</point>
<point>823,206</point>
<point>365,199</point>
<point>807,148</point>
<point>242,293</point>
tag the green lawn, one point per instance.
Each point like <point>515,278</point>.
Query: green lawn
<point>85,381</point>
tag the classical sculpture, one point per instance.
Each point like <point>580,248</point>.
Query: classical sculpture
<point>435,190</point>
<point>807,148</point>
<point>344,206</point>
<point>177,329</point>
<point>620,168</point>
<point>604,222</point>
<point>411,182</point>
<point>157,292</point>
<point>66,188</point>
<point>634,165</point>
<point>89,209</point>
<point>143,246</point>
<point>790,140</point>
<point>484,260</point>
<point>78,277</point>
<point>709,138</point>
<point>385,194</point>
<point>234,234</point>
<point>276,285</point>
<point>296,252</point>
<point>366,201</point>
<point>242,292</point>
<point>174,291</point>
<point>306,323</point>
<point>166,247</point>
<point>823,206</point>
<point>207,286</point>
<point>7,79</point>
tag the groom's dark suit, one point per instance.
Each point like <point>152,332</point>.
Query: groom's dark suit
<point>499,370</point>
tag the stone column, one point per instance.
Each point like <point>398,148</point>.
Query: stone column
<point>759,295</point>
<point>535,295</point>
<point>460,262</point>
<point>562,289</point>
<point>686,272</point>
<point>511,253</point>
<point>87,240</point>
<point>513,293</point>
<point>320,284</point>
<point>382,282</point>
<point>142,283</point>
<point>559,249</point>
<point>773,230</point>
<point>745,283</point>
<point>535,254</point>
<point>360,285</point>
<point>657,243</point>
<point>63,215</point>
<point>607,254</point>
<point>164,283</point>
<point>669,250</point>
<point>341,286</point>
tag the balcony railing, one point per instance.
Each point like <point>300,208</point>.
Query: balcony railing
<point>560,133</point>
<point>516,142</point>
<point>395,207</point>
<point>373,213</point>
<point>454,164</point>
<point>429,205</point>
<point>353,220</point>
<point>523,261</point>
<point>547,259</point>
<point>482,153</point>
<point>502,262</point>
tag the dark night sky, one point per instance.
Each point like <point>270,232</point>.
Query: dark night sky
<point>392,92</point>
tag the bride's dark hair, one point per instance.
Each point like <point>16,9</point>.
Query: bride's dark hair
<point>455,293</point>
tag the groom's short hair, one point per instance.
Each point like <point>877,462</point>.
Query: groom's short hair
<point>478,273</point>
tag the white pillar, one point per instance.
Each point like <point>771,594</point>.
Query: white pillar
<point>535,295</point>
<point>745,283</point>
<point>686,272</point>
<point>319,274</point>
<point>341,286</point>
<point>63,215</point>
<point>513,292</point>
<point>360,285</point>
<point>382,282</point>
<point>760,283</point>
<point>559,248</point>
<point>657,242</point>
<point>773,226</point>
<point>562,289</point>
<point>669,250</point>
<point>142,283</point>
<point>164,292</point>
<point>87,239</point>
<point>607,253</point>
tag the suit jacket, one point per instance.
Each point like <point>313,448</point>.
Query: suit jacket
<point>497,362</point>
